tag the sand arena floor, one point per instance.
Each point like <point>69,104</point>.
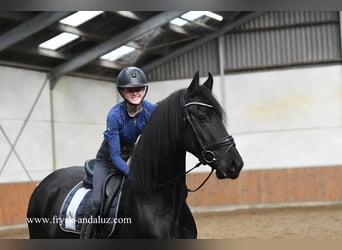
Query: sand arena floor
<point>322,222</point>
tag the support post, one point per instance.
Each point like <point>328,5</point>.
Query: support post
<point>222,65</point>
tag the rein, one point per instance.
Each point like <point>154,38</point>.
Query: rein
<point>203,182</point>
<point>185,173</point>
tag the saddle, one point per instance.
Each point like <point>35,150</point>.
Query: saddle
<point>76,202</point>
<point>89,172</point>
<point>110,187</point>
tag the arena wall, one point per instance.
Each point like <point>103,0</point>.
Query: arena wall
<point>287,125</point>
<point>262,188</point>
<point>14,202</point>
<point>254,188</point>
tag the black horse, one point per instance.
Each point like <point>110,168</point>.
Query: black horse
<point>154,198</point>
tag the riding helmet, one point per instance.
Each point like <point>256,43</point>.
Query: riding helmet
<point>131,77</point>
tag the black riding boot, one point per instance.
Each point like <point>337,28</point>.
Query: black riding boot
<point>88,229</point>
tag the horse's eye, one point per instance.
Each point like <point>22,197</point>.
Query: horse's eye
<point>202,118</point>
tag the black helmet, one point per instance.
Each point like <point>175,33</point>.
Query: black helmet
<point>131,77</point>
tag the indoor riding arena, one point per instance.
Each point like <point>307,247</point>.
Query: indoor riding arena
<point>277,76</point>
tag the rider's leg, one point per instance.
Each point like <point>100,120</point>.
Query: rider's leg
<point>101,171</point>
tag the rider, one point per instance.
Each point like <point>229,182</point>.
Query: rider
<point>125,122</point>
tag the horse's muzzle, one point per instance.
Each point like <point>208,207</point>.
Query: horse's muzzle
<point>231,172</point>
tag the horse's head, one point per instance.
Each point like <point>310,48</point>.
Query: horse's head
<point>205,134</point>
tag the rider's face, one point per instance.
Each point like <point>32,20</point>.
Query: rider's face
<point>133,95</point>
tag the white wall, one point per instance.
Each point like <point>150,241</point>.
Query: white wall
<point>18,91</point>
<point>287,118</point>
<point>80,109</point>
<point>284,118</point>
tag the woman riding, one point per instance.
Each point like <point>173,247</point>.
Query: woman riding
<point>125,122</point>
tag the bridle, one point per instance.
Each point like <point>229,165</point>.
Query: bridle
<point>207,155</point>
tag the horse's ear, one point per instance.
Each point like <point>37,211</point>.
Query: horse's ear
<point>194,83</point>
<point>209,82</point>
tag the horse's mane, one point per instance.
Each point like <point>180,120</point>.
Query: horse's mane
<point>162,133</point>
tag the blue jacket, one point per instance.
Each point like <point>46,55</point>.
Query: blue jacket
<point>123,130</point>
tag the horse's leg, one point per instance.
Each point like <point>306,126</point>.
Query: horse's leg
<point>43,221</point>
<point>186,224</point>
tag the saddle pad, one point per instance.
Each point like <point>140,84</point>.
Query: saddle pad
<point>73,211</point>
<point>74,207</point>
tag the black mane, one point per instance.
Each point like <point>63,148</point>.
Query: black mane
<point>162,136</point>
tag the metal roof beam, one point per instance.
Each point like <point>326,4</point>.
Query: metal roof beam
<point>124,37</point>
<point>15,16</point>
<point>85,34</point>
<point>30,27</point>
<point>38,51</point>
<point>228,27</point>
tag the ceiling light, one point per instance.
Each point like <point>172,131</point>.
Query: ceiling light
<point>193,15</point>
<point>213,15</point>
<point>129,14</point>
<point>117,53</point>
<point>80,17</point>
<point>178,21</point>
<point>59,41</point>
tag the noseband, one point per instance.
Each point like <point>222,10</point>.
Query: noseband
<point>207,155</point>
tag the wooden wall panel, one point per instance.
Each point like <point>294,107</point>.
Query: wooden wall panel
<point>14,199</point>
<point>292,185</point>
<point>254,187</point>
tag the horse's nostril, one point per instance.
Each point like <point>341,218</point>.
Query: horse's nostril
<point>236,167</point>
<point>237,164</point>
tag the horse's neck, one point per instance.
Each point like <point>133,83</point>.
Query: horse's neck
<point>173,167</point>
